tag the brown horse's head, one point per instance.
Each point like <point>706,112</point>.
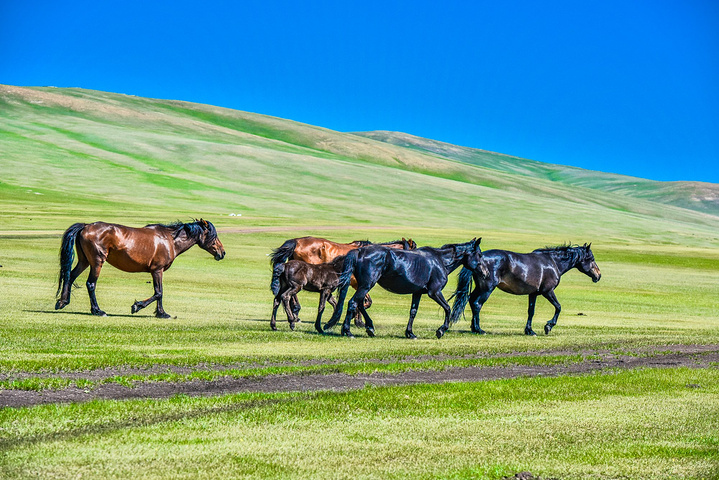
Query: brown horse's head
<point>208,241</point>
<point>587,265</point>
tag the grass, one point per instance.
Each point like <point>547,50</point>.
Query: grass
<point>640,424</point>
<point>138,161</point>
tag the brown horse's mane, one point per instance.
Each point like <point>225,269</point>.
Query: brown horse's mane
<point>194,229</point>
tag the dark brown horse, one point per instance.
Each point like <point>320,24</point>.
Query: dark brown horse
<point>533,274</point>
<point>317,250</point>
<point>296,275</point>
<point>150,249</point>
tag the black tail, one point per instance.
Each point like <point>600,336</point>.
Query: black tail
<point>67,255</point>
<point>461,295</point>
<point>276,272</point>
<point>283,253</point>
<point>344,284</point>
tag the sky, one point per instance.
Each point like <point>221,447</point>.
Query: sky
<point>629,87</point>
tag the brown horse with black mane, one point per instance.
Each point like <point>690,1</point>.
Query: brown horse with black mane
<point>150,249</point>
<point>315,250</point>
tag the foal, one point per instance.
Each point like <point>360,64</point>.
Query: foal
<point>291,277</point>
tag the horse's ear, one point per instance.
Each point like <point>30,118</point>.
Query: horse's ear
<point>589,246</point>
<point>203,223</point>
<point>477,241</point>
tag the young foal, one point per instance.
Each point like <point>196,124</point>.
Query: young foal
<point>150,249</point>
<point>291,277</point>
<point>533,274</point>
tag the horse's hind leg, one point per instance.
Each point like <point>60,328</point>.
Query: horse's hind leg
<point>275,306</point>
<point>439,298</point>
<point>287,298</point>
<point>530,313</point>
<point>91,284</point>
<point>416,297</point>
<point>82,264</point>
<point>476,301</point>
<point>557,308</point>
<point>324,294</point>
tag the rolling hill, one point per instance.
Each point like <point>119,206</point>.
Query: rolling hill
<point>66,152</point>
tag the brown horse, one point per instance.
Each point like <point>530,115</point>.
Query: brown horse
<point>297,275</point>
<point>316,250</point>
<point>151,249</point>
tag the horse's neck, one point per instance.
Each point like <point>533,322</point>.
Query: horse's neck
<point>565,262</point>
<point>183,242</point>
<point>449,259</point>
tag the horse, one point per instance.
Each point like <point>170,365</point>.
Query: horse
<point>151,249</point>
<point>296,275</point>
<point>415,272</point>
<point>536,273</point>
<point>317,250</point>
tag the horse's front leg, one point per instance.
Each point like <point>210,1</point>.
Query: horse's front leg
<point>156,297</point>
<point>530,313</point>
<point>416,297</point>
<point>439,298</point>
<point>352,307</point>
<point>557,308</point>
<point>288,297</point>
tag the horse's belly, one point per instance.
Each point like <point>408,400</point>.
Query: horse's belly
<point>124,262</point>
<point>517,288</point>
<point>401,288</point>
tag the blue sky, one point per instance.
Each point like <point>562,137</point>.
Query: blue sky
<point>630,87</point>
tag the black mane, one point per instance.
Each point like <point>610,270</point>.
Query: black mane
<point>193,229</point>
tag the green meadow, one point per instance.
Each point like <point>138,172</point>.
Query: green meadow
<point>70,155</point>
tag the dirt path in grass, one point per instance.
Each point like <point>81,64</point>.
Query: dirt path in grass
<point>693,356</point>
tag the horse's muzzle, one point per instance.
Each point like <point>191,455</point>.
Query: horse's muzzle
<point>219,256</point>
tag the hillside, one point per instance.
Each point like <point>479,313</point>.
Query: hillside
<point>700,196</point>
<point>138,159</point>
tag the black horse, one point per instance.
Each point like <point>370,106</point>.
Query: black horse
<point>533,274</point>
<point>415,272</point>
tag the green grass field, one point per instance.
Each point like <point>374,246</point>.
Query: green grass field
<point>73,155</point>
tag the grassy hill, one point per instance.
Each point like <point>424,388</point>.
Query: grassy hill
<point>700,196</point>
<point>66,152</point>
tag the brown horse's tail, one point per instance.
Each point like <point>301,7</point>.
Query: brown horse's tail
<point>67,255</point>
<point>283,253</point>
<point>461,294</point>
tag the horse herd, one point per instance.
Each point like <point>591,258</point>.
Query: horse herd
<point>322,266</point>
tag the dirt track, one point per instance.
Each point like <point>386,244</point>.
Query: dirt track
<point>693,356</point>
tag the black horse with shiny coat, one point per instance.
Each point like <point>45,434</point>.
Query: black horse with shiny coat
<point>533,274</point>
<point>416,272</point>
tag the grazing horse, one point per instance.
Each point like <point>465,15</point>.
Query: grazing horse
<point>295,275</point>
<point>151,249</point>
<point>414,272</point>
<point>316,250</point>
<point>533,274</point>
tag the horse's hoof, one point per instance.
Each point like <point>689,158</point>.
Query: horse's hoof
<point>479,332</point>
<point>410,335</point>
<point>273,327</point>
<point>547,329</point>
<point>327,326</point>
<point>135,308</point>
<point>370,332</point>
<point>60,304</point>
<point>292,326</point>
<point>439,333</point>
<point>347,333</point>
<point>530,332</point>
<point>163,315</point>
<point>98,313</point>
